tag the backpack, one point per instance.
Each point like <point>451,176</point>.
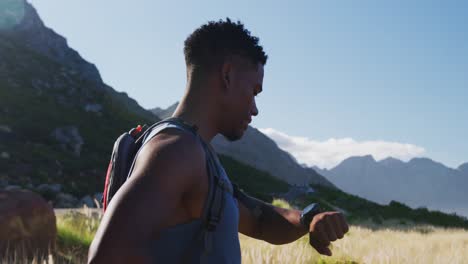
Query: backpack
<point>123,154</point>
<point>122,160</point>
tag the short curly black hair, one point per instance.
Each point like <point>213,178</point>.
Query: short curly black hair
<point>211,43</point>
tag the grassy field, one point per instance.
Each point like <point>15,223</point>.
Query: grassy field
<point>389,242</point>
<point>385,244</point>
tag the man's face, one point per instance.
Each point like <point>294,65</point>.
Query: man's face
<point>245,82</point>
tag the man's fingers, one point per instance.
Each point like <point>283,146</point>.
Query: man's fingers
<point>322,236</point>
<point>325,228</point>
<point>343,223</point>
<point>318,237</point>
<point>324,251</point>
<point>338,226</point>
<point>330,228</point>
<point>319,246</point>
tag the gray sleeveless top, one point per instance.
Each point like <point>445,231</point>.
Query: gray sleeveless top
<point>182,243</point>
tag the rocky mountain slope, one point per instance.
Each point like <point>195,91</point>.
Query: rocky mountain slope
<point>259,151</point>
<point>58,120</point>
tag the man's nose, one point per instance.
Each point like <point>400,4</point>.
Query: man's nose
<point>254,109</point>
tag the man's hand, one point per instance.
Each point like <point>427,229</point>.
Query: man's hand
<point>325,228</point>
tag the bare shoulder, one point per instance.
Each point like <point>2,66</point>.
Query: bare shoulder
<point>167,167</point>
<point>172,150</point>
<point>170,163</point>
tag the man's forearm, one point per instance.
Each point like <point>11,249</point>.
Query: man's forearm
<point>278,225</point>
<point>269,223</point>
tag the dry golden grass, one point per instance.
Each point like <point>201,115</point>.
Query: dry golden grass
<point>394,244</point>
<point>387,243</point>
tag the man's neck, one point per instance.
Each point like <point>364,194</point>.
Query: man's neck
<point>197,115</point>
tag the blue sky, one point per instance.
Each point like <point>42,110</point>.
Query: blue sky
<point>343,78</point>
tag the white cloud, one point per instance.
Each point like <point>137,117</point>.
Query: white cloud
<point>329,153</point>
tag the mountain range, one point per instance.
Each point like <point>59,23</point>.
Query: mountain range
<point>420,182</point>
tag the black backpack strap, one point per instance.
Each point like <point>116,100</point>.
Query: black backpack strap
<point>213,212</point>
<point>215,207</point>
<point>235,190</point>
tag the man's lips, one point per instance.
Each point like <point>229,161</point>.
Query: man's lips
<point>247,122</point>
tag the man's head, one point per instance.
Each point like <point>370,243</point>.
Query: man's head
<point>225,56</point>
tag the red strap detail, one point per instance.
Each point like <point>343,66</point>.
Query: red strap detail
<point>106,186</point>
<point>136,131</point>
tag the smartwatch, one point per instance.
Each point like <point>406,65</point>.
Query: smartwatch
<point>308,214</point>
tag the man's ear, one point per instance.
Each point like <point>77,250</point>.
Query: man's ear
<point>226,72</point>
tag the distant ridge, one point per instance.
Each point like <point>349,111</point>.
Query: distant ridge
<point>463,168</point>
<point>164,113</point>
<point>418,182</point>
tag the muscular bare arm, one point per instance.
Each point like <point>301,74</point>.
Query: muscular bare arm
<point>258,217</point>
<point>280,226</point>
<point>165,170</point>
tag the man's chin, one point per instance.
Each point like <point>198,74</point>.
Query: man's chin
<point>233,136</point>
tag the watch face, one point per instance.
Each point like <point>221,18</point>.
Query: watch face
<point>308,214</point>
<point>311,207</point>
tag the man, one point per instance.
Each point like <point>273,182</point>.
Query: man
<point>155,215</point>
